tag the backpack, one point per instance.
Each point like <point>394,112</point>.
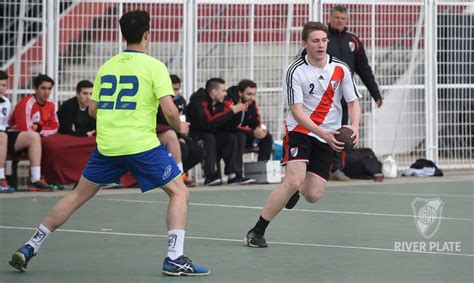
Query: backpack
<point>362,163</point>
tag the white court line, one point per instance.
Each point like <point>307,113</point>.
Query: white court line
<point>241,241</point>
<point>398,194</point>
<point>294,209</point>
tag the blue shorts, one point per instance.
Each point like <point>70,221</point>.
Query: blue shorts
<point>152,169</point>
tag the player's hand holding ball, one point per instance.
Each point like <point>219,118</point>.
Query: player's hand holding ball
<point>348,136</point>
<point>329,137</point>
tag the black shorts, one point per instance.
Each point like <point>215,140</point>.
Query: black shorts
<point>301,147</point>
<point>12,137</point>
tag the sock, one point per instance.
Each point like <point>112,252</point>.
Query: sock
<point>261,226</point>
<point>35,173</point>
<point>180,166</point>
<point>2,173</point>
<point>39,237</point>
<point>232,175</point>
<point>175,243</point>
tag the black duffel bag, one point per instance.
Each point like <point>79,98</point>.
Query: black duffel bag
<point>362,163</point>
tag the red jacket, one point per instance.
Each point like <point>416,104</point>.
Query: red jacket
<point>28,113</point>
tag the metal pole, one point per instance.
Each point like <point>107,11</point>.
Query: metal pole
<point>19,44</point>
<point>316,11</point>
<point>252,39</point>
<point>51,44</point>
<point>372,104</point>
<point>189,43</point>
<point>429,82</point>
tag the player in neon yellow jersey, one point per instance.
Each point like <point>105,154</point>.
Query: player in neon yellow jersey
<point>126,94</point>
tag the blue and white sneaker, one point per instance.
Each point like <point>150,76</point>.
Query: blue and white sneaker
<point>5,187</point>
<point>21,257</point>
<point>239,180</point>
<point>183,266</point>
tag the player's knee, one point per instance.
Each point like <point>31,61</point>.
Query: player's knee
<point>293,183</point>
<point>313,196</point>
<point>180,192</point>
<point>33,137</point>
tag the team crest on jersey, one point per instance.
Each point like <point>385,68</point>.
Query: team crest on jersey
<point>36,117</point>
<point>352,46</point>
<point>294,151</point>
<point>335,85</point>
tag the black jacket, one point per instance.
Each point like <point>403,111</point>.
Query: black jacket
<point>205,117</point>
<point>69,114</point>
<point>180,103</point>
<point>246,120</point>
<point>347,47</point>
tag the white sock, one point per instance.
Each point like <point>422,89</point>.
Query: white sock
<point>2,173</point>
<point>175,243</point>
<point>35,173</point>
<point>39,237</point>
<point>232,175</point>
<point>180,166</point>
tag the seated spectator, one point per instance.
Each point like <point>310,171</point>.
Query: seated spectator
<point>35,112</point>
<point>185,150</point>
<point>73,114</point>
<point>248,124</point>
<point>13,142</point>
<point>209,115</point>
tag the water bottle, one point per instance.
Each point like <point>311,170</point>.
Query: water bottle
<point>257,140</point>
<point>389,167</point>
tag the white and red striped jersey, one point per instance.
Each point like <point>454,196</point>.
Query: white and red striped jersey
<point>320,91</point>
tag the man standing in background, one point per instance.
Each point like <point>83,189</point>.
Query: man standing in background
<point>348,48</point>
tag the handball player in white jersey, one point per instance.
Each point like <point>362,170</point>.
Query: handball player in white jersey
<point>312,86</point>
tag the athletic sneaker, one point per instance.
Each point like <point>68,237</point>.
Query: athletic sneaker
<point>183,266</point>
<point>40,186</point>
<point>212,180</point>
<point>338,175</point>
<point>254,240</point>
<point>21,257</point>
<point>293,200</point>
<point>239,180</point>
<point>5,187</point>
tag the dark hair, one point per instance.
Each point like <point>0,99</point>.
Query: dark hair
<point>3,75</point>
<point>213,83</point>
<point>133,25</point>
<point>243,84</point>
<point>312,26</point>
<point>338,8</point>
<point>42,78</point>
<point>175,79</point>
<point>83,84</point>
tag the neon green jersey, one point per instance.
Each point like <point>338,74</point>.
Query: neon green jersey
<point>127,90</point>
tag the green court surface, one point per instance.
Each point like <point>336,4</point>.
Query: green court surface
<point>350,235</point>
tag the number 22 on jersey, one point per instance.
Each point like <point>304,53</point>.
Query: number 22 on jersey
<point>110,91</point>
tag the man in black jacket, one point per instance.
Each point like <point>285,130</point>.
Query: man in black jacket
<point>186,152</point>
<point>248,124</point>
<point>347,47</point>
<point>73,114</point>
<point>208,115</point>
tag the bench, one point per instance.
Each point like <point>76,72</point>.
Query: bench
<point>15,159</point>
